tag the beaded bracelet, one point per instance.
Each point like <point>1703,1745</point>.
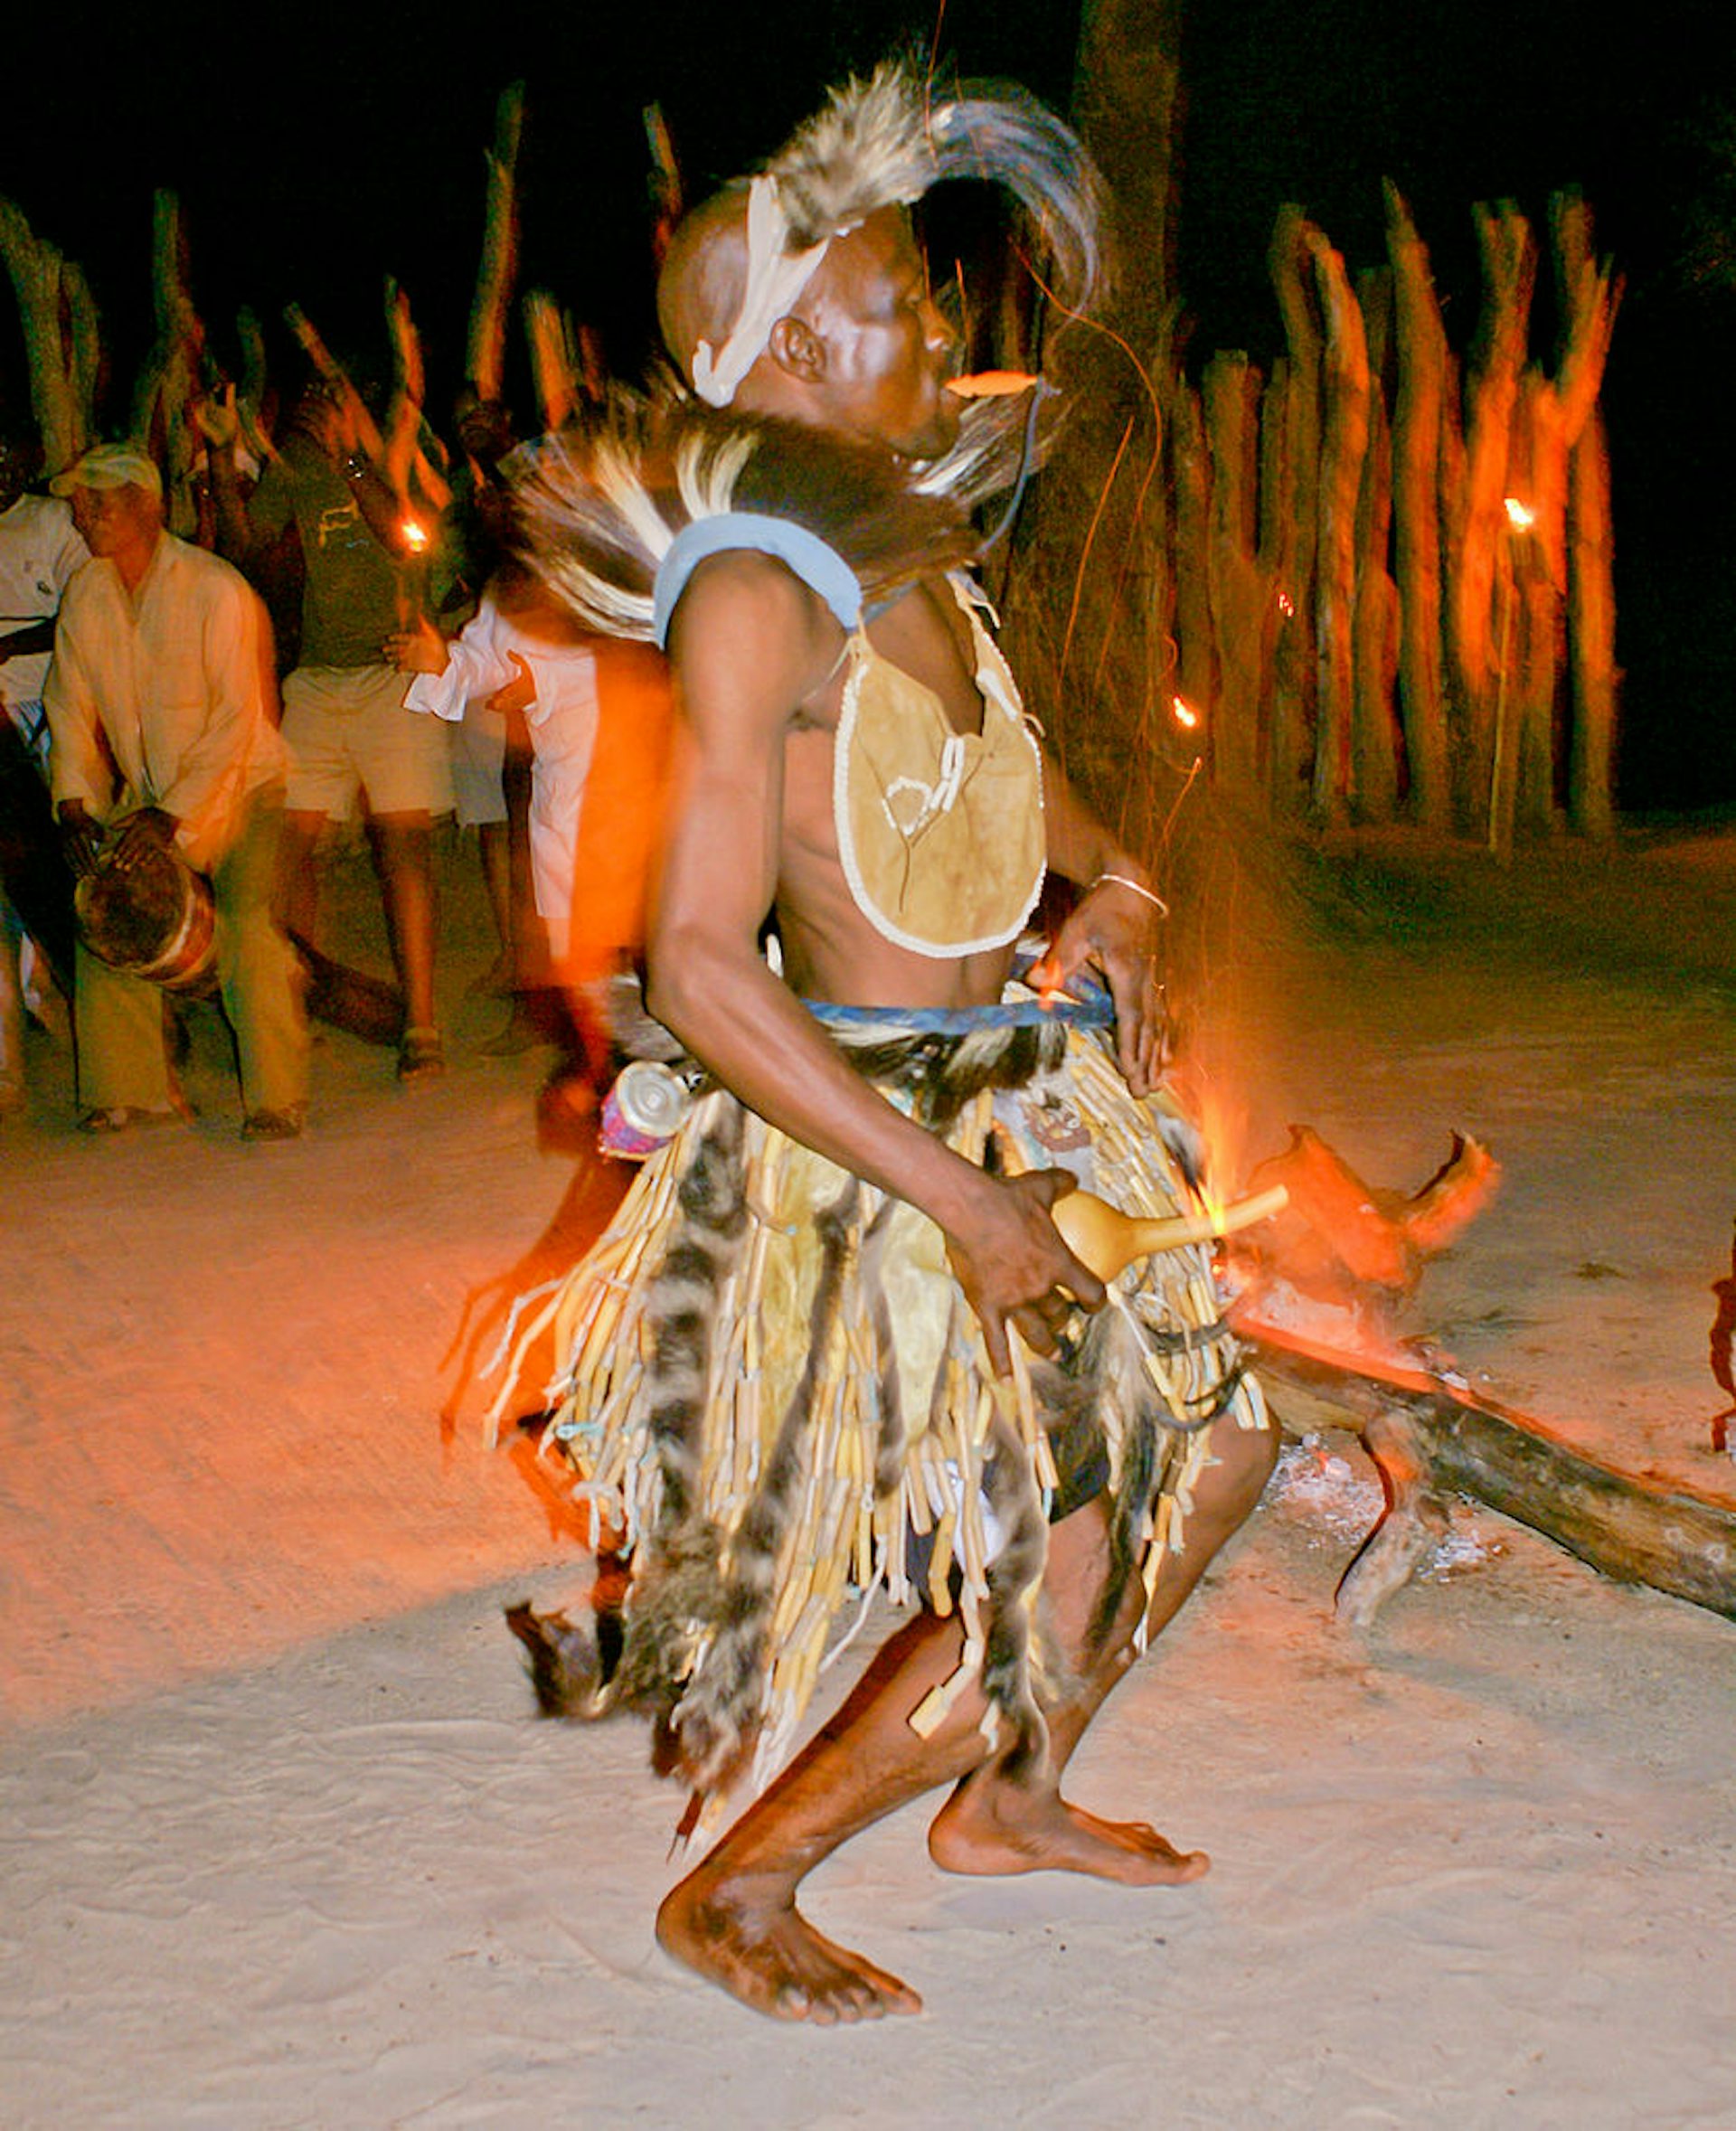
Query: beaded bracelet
<point>1139,888</point>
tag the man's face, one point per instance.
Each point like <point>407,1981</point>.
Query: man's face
<point>889,350</point>
<point>116,521</point>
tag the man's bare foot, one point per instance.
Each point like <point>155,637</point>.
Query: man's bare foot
<point>994,1827</point>
<point>748,1936</point>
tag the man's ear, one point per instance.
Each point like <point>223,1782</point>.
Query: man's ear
<point>797,350</point>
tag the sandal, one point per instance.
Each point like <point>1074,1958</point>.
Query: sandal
<point>421,1055</point>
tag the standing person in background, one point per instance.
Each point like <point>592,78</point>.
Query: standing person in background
<point>160,736</point>
<point>344,719</point>
<point>598,716</point>
<point>40,549</point>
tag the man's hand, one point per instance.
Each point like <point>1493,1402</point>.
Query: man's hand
<point>518,694</point>
<point>1114,930</point>
<point>1014,1267</point>
<point>149,830</point>
<point>218,417</point>
<point>80,838</point>
<point>420,649</point>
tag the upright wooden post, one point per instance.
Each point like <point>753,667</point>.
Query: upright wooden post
<point>1293,680</point>
<point>1590,297</point>
<point>1591,636</point>
<point>1478,557</point>
<point>1190,553</point>
<point>169,378</point>
<point>1376,743</point>
<point>1537,480</point>
<point>485,357</point>
<point>1090,550</point>
<point>1423,371</point>
<point>1343,444</point>
<point>1235,585</point>
<point>60,323</point>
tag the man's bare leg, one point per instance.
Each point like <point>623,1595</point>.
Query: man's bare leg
<point>494,858</point>
<point>734,1917</point>
<point>297,890</point>
<point>403,861</point>
<point>992,1824</point>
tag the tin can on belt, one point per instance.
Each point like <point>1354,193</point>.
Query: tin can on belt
<point>645,1106</point>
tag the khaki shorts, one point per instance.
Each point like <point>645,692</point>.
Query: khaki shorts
<point>347,731</point>
<point>479,759</point>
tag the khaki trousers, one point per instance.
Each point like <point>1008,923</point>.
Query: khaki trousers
<point>122,1060</point>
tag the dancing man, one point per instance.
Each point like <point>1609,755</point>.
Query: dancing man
<point>833,1339</point>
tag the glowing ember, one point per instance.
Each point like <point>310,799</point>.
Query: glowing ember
<point>1286,605</point>
<point>415,536</point>
<point>1183,713</point>
<point>1519,516</point>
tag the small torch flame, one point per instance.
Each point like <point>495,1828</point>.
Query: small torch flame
<point>1183,713</point>
<point>415,535</point>
<point>1519,516</point>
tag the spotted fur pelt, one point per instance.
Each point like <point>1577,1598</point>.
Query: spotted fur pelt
<point>678,1590</point>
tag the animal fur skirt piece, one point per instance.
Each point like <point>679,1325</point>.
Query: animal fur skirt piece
<point>774,1394</point>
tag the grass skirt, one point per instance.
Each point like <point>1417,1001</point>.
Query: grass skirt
<point>773,1391</point>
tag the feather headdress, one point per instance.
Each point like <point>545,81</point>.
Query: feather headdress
<point>600,503</point>
<point>884,143</point>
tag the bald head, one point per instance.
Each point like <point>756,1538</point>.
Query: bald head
<point>861,348</point>
<point>705,275</point>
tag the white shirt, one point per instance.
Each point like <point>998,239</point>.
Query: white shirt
<point>157,698</point>
<point>562,723</point>
<point>40,549</point>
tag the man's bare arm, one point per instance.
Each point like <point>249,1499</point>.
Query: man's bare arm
<point>1114,928</point>
<point>750,643</point>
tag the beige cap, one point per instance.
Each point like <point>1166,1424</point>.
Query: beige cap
<point>109,466</point>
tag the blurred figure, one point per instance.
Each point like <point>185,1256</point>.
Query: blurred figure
<point>160,738</point>
<point>599,715</point>
<point>344,721</point>
<point>40,548</point>
<point>491,748</point>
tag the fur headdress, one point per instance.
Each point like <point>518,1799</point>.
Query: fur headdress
<point>600,503</point>
<point>884,143</point>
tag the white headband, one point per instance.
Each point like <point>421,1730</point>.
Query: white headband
<point>775,278</point>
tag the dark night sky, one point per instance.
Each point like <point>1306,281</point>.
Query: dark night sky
<point>315,148</point>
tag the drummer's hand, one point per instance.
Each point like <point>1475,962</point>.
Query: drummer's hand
<point>150,829</point>
<point>80,838</point>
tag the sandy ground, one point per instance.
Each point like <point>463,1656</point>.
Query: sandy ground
<point>284,1845</point>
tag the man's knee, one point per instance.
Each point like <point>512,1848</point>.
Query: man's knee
<point>404,841</point>
<point>1235,1476</point>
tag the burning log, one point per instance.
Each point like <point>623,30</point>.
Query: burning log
<point>1432,1437</point>
<point>1317,1290</point>
<point>1343,1236</point>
